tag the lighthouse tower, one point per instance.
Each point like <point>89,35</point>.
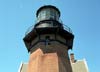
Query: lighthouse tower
<point>48,42</point>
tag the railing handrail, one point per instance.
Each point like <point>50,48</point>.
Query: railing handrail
<point>65,27</point>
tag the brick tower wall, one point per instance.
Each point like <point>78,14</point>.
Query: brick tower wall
<point>49,58</point>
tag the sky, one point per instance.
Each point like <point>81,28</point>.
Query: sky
<point>16,16</point>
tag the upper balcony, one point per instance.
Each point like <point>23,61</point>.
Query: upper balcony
<point>51,25</point>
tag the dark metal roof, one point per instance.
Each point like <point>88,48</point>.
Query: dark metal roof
<point>47,6</point>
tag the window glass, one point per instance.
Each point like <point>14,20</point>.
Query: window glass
<point>39,16</point>
<point>43,15</point>
<point>57,16</point>
<point>51,14</point>
<point>48,14</point>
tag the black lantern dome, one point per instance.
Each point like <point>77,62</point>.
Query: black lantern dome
<point>47,16</point>
<point>48,12</point>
